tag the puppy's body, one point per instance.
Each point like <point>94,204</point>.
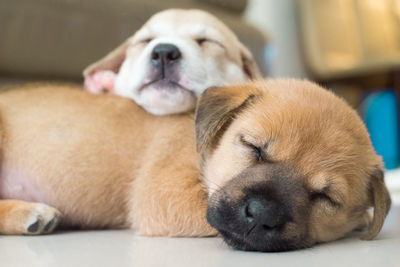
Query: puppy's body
<point>286,165</point>
<point>102,162</point>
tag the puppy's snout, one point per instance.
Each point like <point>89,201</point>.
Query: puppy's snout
<point>165,54</point>
<point>264,213</point>
<point>262,208</point>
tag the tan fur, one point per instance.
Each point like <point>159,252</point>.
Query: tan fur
<point>105,162</point>
<point>102,161</point>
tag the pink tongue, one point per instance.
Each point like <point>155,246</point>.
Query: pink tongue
<point>100,82</point>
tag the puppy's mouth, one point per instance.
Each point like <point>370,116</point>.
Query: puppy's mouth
<point>164,84</point>
<point>249,242</point>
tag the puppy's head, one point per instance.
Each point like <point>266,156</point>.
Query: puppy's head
<point>173,58</point>
<point>287,165</point>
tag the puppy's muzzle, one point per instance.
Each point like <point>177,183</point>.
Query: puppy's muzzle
<point>164,56</point>
<point>264,208</point>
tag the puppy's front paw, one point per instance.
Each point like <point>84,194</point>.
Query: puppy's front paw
<point>20,217</point>
<point>42,219</point>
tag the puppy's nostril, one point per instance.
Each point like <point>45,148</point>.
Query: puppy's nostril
<point>173,55</point>
<point>248,215</point>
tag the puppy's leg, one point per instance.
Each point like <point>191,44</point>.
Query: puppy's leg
<point>171,202</point>
<point>20,217</point>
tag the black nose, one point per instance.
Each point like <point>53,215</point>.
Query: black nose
<point>164,54</point>
<point>267,214</point>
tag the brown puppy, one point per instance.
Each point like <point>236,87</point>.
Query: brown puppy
<point>286,165</point>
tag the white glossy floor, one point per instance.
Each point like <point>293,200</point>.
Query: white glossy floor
<point>123,248</point>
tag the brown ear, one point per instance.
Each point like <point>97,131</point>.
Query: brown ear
<point>381,202</point>
<point>112,61</point>
<point>249,65</point>
<point>216,108</point>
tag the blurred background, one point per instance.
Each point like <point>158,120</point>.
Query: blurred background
<point>349,46</point>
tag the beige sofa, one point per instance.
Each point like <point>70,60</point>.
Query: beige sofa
<point>56,39</point>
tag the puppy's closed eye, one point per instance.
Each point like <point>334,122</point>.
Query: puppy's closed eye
<point>145,41</point>
<point>201,41</point>
<point>318,196</point>
<point>259,152</point>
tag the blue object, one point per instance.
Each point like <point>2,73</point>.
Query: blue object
<point>381,118</point>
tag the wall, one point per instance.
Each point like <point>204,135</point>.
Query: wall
<point>278,19</point>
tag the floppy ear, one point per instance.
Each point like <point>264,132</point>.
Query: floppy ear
<point>100,75</point>
<point>216,109</point>
<point>381,202</point>
<point>249,65</point>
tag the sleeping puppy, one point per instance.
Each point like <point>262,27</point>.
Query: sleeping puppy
<point>172,59</point>
<point>285,164</point>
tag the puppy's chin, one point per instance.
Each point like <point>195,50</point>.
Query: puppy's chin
<point>164,98</point>
<point>248,243</point>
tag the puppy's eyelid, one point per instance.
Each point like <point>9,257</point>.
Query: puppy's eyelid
<point>146,40</point>
<point>321,195</point>
<point>258,151</point>
<point>202,40</point>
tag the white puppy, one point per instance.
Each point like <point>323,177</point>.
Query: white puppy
<point>172,59</point>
